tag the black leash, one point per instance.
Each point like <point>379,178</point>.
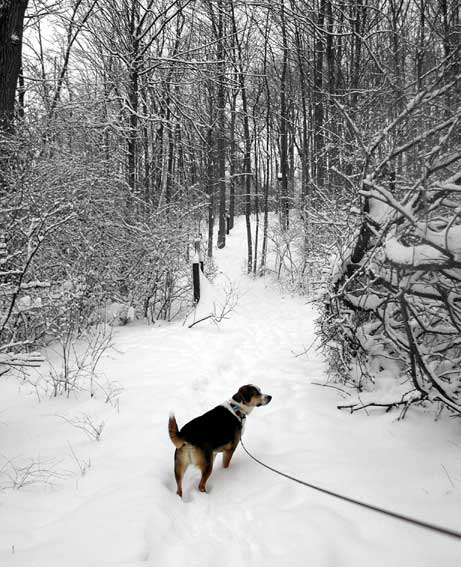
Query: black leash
<point>408,519</point>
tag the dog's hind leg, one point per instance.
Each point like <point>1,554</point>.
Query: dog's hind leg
<point>227,456</point>
<point>180,466</point>
<point>205,463</point>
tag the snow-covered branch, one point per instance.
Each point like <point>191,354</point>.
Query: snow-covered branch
<point>395,306</point>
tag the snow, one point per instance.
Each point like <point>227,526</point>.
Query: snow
<point>449,239</point>
<point>379,210</point>
<point>417,255</point>
<point>112,503</point>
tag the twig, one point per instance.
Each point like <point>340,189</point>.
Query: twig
<point>82,465</point>
<point>306,350</point>
<point>448,476</point>
<point>199,321</point>
<point>331,386</point>
<point>86,424</point>
<point>26,473</point>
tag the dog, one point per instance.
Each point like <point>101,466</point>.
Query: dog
<point>218,430</point>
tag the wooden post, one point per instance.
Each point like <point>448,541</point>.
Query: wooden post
<point>196,281</point>
<point>197,264</point>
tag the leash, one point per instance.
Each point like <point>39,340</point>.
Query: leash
<point>396,515</point>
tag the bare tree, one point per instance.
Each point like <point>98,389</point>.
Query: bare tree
<point>12,14</point>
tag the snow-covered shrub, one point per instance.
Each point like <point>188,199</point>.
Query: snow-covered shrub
<point>146,267</point>
<point>394,308</point>
<point>297,255</point>
<point>74,244</point>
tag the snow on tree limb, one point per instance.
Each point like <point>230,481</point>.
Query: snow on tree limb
<point>16,360</point>
<point>417,256</point>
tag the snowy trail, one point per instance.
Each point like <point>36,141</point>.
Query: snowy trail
<point>124,511</point>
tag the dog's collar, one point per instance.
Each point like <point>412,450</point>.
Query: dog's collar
<point>236,409</point>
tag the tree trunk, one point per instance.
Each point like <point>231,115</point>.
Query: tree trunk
<point>319,113</point>
<point>304,144</point>
<point>257,184</point>
<point>247,171</point>
<point>221,134</point>
<point>210,151</point>
<point>133,101</point>
<point>268,154</point>
<point>284,207</point>
<point>11,30</point>
<point>232,158</point>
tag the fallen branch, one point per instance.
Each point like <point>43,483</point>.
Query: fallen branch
<point>227,307</point>
<point>200,320</point>
<point>407,400</point>
<point>353,407</point>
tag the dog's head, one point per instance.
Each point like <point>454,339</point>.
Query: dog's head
<point>251,396</point>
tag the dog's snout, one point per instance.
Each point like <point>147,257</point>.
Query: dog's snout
<point>265,399</point>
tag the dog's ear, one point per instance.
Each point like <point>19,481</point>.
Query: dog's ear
<point>244,394</point>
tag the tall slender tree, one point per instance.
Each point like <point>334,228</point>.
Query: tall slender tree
<point>12,14</point>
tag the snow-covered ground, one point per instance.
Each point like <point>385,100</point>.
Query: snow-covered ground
<point>112,503</point>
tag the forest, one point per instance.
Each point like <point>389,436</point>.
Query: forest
<point>129,127</point>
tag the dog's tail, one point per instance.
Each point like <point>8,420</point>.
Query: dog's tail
<point>174,433</point>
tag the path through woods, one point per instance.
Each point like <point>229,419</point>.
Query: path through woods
<point>123,512</point>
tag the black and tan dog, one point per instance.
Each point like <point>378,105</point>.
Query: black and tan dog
<point>218,430</point>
